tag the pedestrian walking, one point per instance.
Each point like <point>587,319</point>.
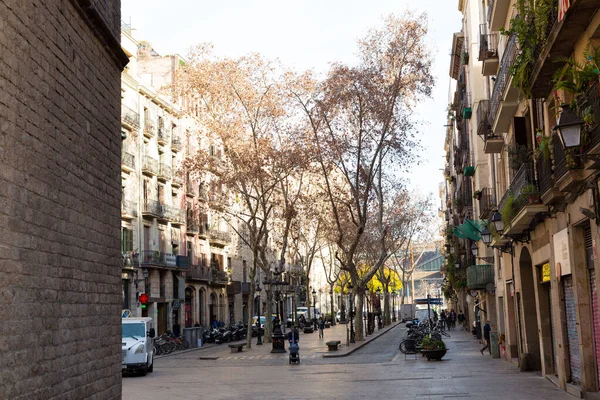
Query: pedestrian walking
<point>461,319</point>
<point>452,319</point>
<point>486,336</point>
<point>321,327</point>
<point>443,319</point>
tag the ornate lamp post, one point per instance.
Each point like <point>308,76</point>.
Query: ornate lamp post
<point>258,289</point>
<point>276,285</point>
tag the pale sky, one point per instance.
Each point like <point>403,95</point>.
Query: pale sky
<point>305,34</point>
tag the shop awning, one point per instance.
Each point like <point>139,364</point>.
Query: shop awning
<point>470,229</point>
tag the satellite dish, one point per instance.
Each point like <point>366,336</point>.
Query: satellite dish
<point>490,288</point>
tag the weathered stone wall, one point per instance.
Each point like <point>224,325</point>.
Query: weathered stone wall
<point>60,286</point>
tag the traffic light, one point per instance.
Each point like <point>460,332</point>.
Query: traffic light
<point>143,299</point>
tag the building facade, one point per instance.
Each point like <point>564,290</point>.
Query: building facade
<point>539,289</point>
<point>60,190</point>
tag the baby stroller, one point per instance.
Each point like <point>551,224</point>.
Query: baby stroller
<point>294,348</point>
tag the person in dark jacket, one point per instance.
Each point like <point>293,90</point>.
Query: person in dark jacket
<point>486,336</point>
<point>176,329</point>
<point>321,327</point>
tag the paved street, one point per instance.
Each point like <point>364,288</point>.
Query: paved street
<point>377,370</point>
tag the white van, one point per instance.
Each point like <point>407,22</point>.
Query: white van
<point>137,344</point>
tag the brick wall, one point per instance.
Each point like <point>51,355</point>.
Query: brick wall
<point>60,287</point>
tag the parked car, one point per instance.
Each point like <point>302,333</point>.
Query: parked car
<point>137,345</point>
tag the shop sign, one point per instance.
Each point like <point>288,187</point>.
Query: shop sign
<point>561,253</point>
<point>546,272</point>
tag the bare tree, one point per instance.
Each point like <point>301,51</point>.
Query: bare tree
<point>360,121</point>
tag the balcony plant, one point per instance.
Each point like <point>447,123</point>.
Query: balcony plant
<point>544,149</point>
<point>530,28</point>
<point>530,194</point>
<point>518,155</point>
<point>508,210</point>
<point>575,77</point>
<point>469,170</point>
<point>477,194</point>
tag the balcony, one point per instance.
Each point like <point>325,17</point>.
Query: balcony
<point>128,209</point>
<point>129,118</point>
<point>550,194</point>
<point>176,215</point>
<point>176,144</point>
<point>164,172</point>
<point>466,107</point>
<point>159,259</point>
<point>149,128</point>
<point>199,272</point>
<point>216,200</point>
<point>505,97</point>
<point>493,144</point>
<point>479,276</point>
<point>488,51</point>
<point>497,13</point>
<point>149,166</point>
<point>219,238</point>
<point>591,101</point>
<point>127,162</point>
<point>177,181</point>
<point>568,172</point>
<point>561,39</point>
<point>219,277</point>
<point>163,136</point>
<point>245,287</point>
<point>521,202</point>
<point>486,203</point>
<point>189,189</point>
<point>234,287</point>
<point>191,226</point>
<point>203,231</point>
<point>151,208</point>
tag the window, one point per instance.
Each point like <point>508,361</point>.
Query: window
<point>126,240</point>
<point>190,252</point>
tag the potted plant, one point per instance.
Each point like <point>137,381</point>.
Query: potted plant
<point>433,349</point>
<point>477,195</point>
<point>465,58</point>
<point>530,193</point>
<point>508,210</point>
<point>544,146</point>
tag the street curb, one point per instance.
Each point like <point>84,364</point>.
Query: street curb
<point>204,347</point>
<point>333,355</point>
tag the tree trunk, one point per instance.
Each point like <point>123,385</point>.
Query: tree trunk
<point>358,316</point>
<point>403,287</point>
<point>332,308</point>
<point>250,316</point>
<point>387,320</point>
<point>268,322</point>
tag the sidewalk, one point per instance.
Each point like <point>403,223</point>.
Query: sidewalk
<point>310,344</point>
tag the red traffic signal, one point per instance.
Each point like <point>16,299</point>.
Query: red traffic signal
<point>143,299</point>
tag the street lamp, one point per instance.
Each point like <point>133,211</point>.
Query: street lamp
<point>258,289</point>
<point>486,236</point>
<point>275,285</point>
<point>497,221</point>
<point>350,287</point>
<point>474,249</point>
<point>569,127</point>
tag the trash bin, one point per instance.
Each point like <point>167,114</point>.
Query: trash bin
<point>187,332</point>
<point>494,345</point>
<point>194,340</point>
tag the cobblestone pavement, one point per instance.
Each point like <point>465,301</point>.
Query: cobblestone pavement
<point>376,370</point>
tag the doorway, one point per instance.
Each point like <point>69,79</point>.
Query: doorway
<point>528,310</point>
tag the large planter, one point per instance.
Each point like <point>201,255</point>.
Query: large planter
<point>434,354</point>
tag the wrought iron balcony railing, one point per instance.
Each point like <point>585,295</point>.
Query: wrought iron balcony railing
<point>479,276</point>
<point>508,59</point>
<point>129,116</point>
